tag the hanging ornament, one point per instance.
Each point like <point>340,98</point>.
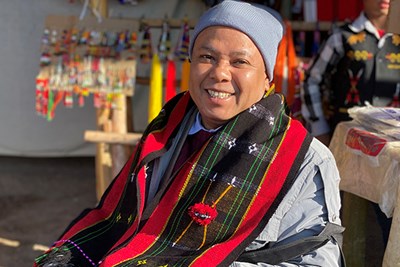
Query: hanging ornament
<point>121,43</point>
<point>286,65</point>
<point>170,86</point>
<point>185,75</point>
<point>59,95</point>
<point>45,58</point>
<point>97,100</point>
<point>164,45</point>
<point>41,87</point>
<point>68,99</point>
<point>146,52</point>
<point>182,48</point>
<point>132,45</point>
<point>155,94</point>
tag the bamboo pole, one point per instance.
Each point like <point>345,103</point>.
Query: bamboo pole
<point>103,159</point>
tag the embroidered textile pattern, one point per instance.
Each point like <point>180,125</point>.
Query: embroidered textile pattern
<point>216,204</point>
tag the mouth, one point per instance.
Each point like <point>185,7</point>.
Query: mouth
<point>385,4</point>
<point>219,95</point>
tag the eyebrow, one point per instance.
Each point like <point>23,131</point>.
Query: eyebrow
<point>242,53</point>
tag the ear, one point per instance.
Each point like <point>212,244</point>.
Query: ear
<point>266,84</point>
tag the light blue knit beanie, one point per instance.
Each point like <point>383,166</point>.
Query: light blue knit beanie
<point>262,24</point>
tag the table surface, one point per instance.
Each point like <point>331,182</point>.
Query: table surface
<point>368,164</point>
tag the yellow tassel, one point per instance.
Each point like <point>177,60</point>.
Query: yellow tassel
<point>155,94</point>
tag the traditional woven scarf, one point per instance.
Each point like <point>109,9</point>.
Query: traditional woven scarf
<point>207,213</point>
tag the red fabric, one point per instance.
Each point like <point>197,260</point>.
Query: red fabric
<point>381,33</point>
<point>330,10</point>
<point>325,10</point>
<point>170,86</point>
<point>348,9</point>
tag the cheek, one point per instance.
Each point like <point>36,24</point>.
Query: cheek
<point>254,83</point>
<point>197,75</point>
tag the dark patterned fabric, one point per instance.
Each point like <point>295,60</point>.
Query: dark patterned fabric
<point>242,173</point>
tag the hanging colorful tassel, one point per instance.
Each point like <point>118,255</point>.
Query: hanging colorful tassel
<point>164,45</point>
<point>291,63</point>
<point>182,48</point>
<point>132,43</point>
<point>96,100</point>
<point>146,50</point>
<point>68,99</point>
<point>285,67</point>
<point>185,75</point>
<point>41,87</point>
<point>170,87</point>
<point>57,99</point>
<point>280,65</point>
<point>155,94</point>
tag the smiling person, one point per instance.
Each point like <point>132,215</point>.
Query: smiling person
<point>223,176</point>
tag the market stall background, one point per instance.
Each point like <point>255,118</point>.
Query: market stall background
<point>47,167</point>
<point>23,132</point>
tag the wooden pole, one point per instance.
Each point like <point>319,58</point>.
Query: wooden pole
<point>103,159</point>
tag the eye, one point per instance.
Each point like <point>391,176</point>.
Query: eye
<point>206,58</point>
<point>240,62</point>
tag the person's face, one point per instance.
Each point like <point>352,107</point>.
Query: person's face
<point>376,8</point>
<point>227,74</point>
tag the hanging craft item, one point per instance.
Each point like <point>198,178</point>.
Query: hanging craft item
<point>164,45</point>
<point>79,58</point>
<point>286,65</point>
<point>155,94</point>
<point>57,99</point>
<point>132,43</point>
<point>182,54</point>
<point>146,50</point>
<point>185,75</point>
<point>182,48</point>
<point>170,83</point>
<point>41,100</point>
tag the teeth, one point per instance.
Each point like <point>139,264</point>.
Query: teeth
<point>218,94</point>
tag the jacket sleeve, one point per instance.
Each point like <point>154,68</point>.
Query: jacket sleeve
<point>313,201</point>
<point>311,93</point>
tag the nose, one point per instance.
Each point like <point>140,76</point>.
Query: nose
<point>220,72</point>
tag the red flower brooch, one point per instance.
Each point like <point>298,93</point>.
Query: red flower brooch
<point>202,213</point>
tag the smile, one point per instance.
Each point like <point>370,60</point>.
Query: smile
<point>219,95</point>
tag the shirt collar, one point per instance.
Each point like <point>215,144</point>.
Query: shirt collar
<point>362,23</point>
<point>197,126</point>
